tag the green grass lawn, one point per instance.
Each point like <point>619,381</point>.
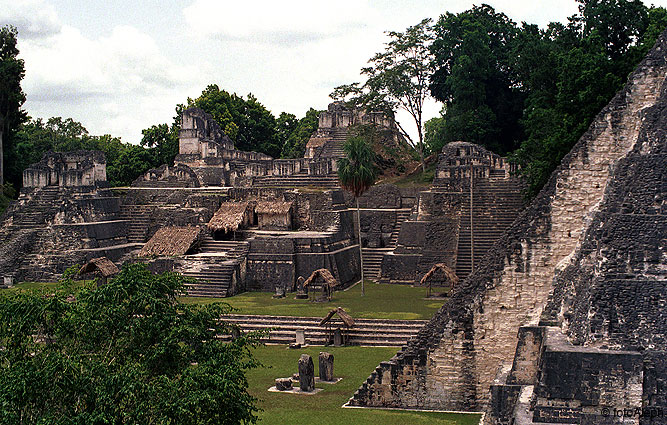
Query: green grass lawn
<point>380,302</point>
<point>353,364</point>
<point>27,286</point>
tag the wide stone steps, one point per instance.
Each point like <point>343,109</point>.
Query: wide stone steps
<point>210,245</point>
<point>298,180</point>
<point>212,281</point>
<point>138,217</point>
<point>373,261</point>
<point>367,332</point>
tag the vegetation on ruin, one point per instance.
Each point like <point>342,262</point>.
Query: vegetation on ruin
<point>324,408</point>
<point>252,127</point>
<point>125,352</point>
<point>382,301</point>
<point>397,78</point>
<point>517,89</point>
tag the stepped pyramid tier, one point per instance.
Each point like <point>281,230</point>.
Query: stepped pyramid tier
<point>338,122</point>
<point>333,125</point>
<point>563,320</point>
<point>475,196</point>
<point>65,215</point>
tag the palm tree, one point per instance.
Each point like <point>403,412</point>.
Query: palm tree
<point>357,172</point>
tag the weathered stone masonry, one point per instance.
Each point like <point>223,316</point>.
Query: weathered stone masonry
<point>453,361</point>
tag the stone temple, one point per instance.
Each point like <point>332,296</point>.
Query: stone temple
<point>557,312</point>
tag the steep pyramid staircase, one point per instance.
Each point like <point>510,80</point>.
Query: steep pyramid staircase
<point>496,204</point>
<point>333,148</point>
<point>138,218</point>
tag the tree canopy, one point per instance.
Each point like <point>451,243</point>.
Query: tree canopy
<point>530,92</point>
<point>12,97</point>
<point>253,127</point>
<point>126,352</point>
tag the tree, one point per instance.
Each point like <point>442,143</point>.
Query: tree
<point>473,78</point>
<point>248,123</point>
<point>569,72</point>
<point>11,95</point>
<point>124,352</point>
<point>397,78</point>
<point>357,172</point>
<point>295,144</point>
<point>162,141</point>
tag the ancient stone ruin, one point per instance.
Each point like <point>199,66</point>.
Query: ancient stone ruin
<point>556,310</point>
<point>563,319</point>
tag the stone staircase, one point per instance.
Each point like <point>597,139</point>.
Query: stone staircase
<point>214,267</point>
<point>373,261</point>
<point>39,209</point>
<point>365,332</point>
<point>212,280</point>
<point>138,217</point>
<point>334,147</point>
<point>401,216</point>
<point>231,249</point>
<point>496,204</point>
<point>302,179</point>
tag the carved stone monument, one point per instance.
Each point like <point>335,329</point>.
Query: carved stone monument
<point>284,384</point>
<point>306,373</point>
<point>326,361</point>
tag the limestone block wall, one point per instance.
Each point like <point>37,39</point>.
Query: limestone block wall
<point>476,332</point>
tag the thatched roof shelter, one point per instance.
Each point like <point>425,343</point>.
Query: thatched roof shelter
<point>229,216</point>
<point>102,265</point>
<point>440,267</point>
<point>346,318</point>
<point>170,241</point>
<point>321,277</point>
<point>273,207</point>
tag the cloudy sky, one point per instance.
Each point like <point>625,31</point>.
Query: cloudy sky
<point>119,66</point>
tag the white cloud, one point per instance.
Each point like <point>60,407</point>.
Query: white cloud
<point>33,18</point>
<point>284,22</point>
<point>119,83</point>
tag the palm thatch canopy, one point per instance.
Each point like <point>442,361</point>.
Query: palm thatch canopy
<point>229,216</point>
<point>346,318</point>
<point>321,277</point>
<point>448,272</point>
<point>273,207</point>
<point>170,241</point>
<point>102,265</point>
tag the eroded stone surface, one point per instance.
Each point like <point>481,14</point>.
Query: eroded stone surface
<point>306,373</point>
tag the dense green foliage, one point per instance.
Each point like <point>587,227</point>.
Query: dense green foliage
<point>471,52</point>
<point>12,97</point>
<point>296,134</point>
<point>252,127</point>
<point>123,353</point>
<point>533,92</point>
